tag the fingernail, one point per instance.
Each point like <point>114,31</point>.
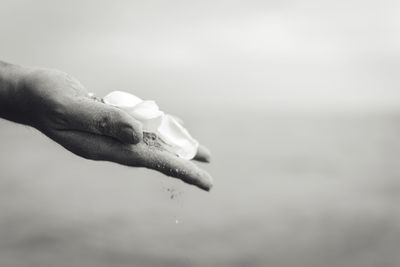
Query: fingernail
<point>137,137</point>
<point>137,132</point>
<point>202,158</point>
<point>129,136</point>
<point>207,183</point>
<point>203,154</point>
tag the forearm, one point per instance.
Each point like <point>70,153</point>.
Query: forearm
<point>10,93</point>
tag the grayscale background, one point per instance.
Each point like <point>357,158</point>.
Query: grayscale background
<point>299,102</point>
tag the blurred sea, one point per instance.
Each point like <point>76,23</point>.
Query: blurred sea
<point>291,189</point>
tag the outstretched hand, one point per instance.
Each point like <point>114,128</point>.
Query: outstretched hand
<point>60,107</point>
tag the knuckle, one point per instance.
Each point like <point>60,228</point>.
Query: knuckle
<point>104,123</point>
<point>57,114</point>
<point>118,117</point>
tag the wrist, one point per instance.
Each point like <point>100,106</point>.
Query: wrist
<point>11,93</point>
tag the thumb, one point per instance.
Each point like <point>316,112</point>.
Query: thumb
<point>95,117</point>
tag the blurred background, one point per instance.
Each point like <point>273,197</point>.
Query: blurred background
<point>297,100</point>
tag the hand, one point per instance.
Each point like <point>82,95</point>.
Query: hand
<point>60,107</point>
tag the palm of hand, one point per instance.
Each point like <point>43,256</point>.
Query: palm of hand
<point>60,107</point>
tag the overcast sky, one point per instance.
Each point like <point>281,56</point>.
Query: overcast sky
<point>337,54</point>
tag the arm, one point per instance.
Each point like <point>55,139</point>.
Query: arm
<point>9,106</point>
<point>60,107</point>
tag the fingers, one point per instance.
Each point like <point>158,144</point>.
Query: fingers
<point>171,165</point>
<point>96,117</point>
<point>98,147</point>
<point>203,154</point>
